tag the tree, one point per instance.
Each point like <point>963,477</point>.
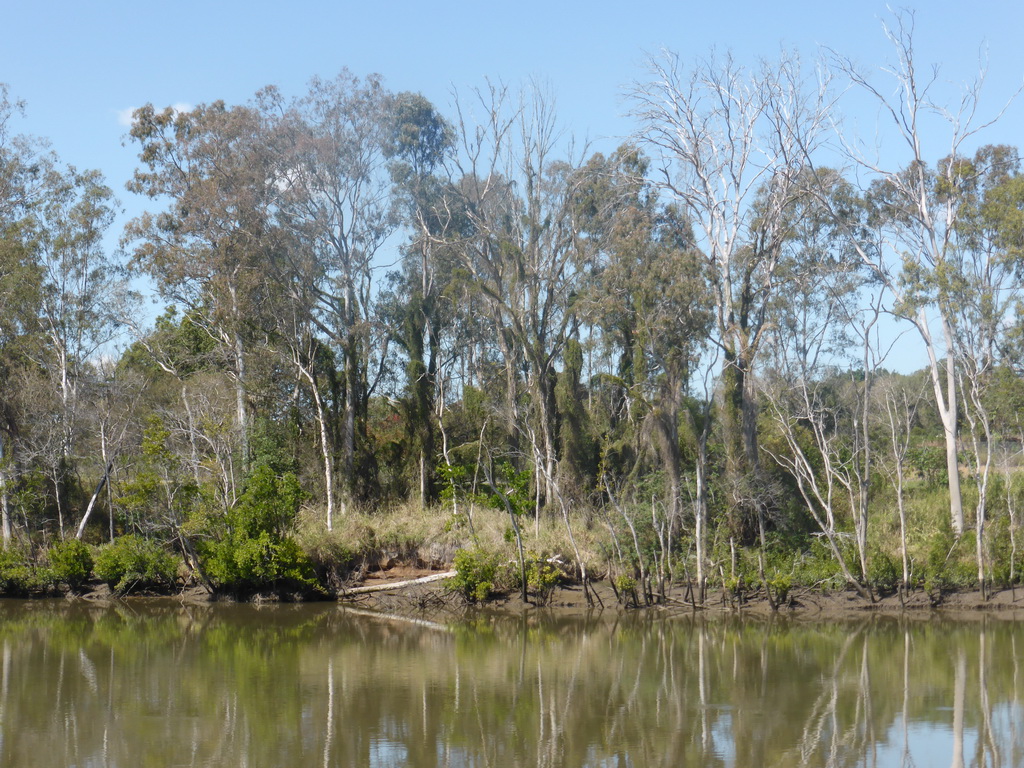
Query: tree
<point>730,146</point>
<point>918,211</point>
<point>820,391</point>
<point>208,252</point>
<point>20,171</point>
<point>648,299</point>
<point>981,288</point>
<point>336,205</point>
<point>522,253</point>
<point>83,297</point>
<point>421,141</point>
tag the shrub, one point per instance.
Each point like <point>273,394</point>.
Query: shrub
<point>132,562</point>
<point>244,563</point>
<point>476,573</point>
<point>19,575</point>
<point>885,571</point>
<point>252,551</point>
<point>70,563</point>
<point>541,576</point>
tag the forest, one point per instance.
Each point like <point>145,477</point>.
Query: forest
<point>388,330</point>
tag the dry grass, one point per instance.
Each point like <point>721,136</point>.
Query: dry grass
<point>433,535</point>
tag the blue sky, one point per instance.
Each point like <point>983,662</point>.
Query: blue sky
<point>80,66</point>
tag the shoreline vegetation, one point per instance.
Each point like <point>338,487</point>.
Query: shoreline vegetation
<point>394,332</point>
<point>423,563</point>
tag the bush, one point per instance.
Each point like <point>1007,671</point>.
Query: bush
<point>19,575</point>
<point>132,562</point>
<point>476,573</point>
<point>885,572</point>
<point>253,552</point>
<point>70,563</point>
<point>243,563</point>
<point>541,576</point>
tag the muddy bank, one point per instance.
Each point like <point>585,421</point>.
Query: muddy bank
<point>398,589</point>
<point>570,600</point>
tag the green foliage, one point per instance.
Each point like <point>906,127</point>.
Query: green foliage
<point>476,574</point>
<point>271,444</point>
<point>19,574</point>
<point>71,563</point>
<point>625,583</point>
<point>252,550</point>
<point>269,502</point>
<point>949,561</point>
<point>160,490</point>
<point>885,571</point>
<point>132,563</point>
<point>515,487</point>
<point>815,566</point>
<point>541,576</point>
<point>929,461</point>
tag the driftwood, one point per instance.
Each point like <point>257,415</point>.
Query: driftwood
<point>398,584</point>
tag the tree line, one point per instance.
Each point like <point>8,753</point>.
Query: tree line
<point>368,302</point>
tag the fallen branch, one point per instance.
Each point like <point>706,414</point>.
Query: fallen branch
<point>398,584</point>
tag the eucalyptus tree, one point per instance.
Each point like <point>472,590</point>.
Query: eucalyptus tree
<point>59,293</point>
<point>208,251</point>
<point>20,172</point>
<point>421,141</point>
<point>83,296</point>
<point>522,252</point>
<point>648,296</point>
<point>982,292</point>
<point>919,210</point>
<point>336,205</point>
<point>729,146</point>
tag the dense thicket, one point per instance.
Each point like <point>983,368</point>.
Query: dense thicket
<point>684,344</point>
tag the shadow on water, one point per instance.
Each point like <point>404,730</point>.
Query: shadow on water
<point>155,683</point>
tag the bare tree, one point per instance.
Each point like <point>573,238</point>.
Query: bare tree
<point>731,145</point>
<point>822,410</point>
<point>522,251</point>
<point>900,408</point>
<point>918,213</point>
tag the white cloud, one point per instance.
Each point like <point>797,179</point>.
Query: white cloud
<point>124,116</point>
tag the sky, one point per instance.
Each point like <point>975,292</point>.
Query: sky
<point>81,67</point>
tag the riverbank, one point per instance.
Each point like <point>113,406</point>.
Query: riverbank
<point>570,600</point>
<point>414,590</point>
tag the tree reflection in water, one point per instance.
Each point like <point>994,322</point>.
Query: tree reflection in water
<point>318,685</point>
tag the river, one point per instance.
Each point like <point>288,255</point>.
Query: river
<point>153,683</point>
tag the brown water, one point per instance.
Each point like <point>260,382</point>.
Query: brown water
<point>315,685</point>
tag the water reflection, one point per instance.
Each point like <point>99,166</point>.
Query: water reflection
<point>159,685</point>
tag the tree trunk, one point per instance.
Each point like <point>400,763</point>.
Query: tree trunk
<point>94,498</point>
<point>5,512</point>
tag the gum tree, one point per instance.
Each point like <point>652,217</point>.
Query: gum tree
<point>730,144</point>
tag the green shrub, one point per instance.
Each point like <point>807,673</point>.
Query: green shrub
<point>19,575</point>
<point>245,563</point>
<point>132,563</point>
<point>70,563</point>
<point>885,572</point>
<point>541,576</point>
<point>780,585</point>
<point>476,573</point>
<point>252,551</point>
